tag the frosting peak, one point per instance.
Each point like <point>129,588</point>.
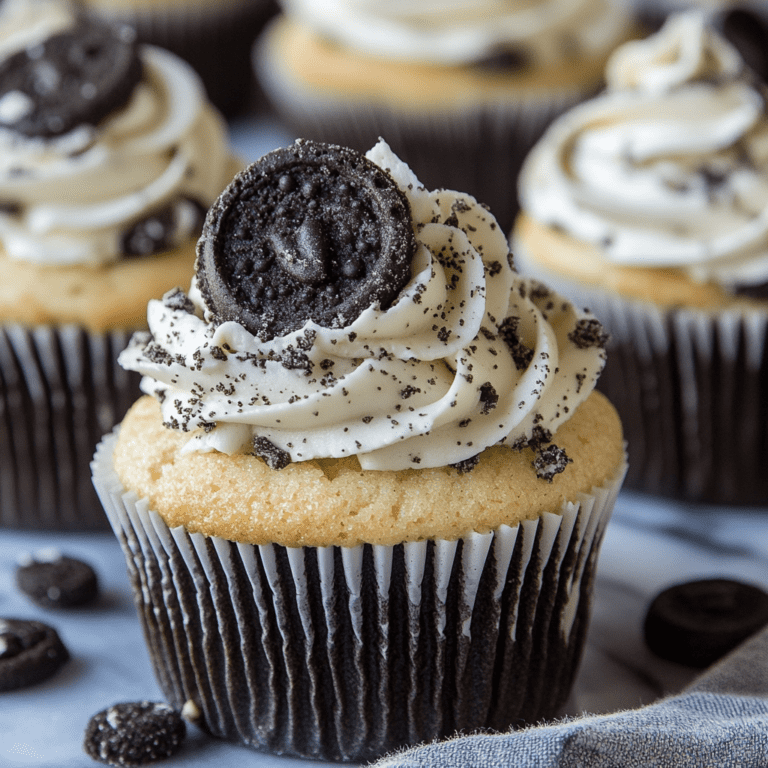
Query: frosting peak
<point>467,355</point>
<point>684,51</point>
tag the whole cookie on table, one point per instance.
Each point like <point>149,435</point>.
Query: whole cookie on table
<point>312,231</point>
<point>30,652</point>
<point>53,580</point>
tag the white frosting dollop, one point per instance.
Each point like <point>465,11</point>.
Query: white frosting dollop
<point>465,31</point>
<point>470,354</point>
<point>668,168</point>
<point>72,198</point>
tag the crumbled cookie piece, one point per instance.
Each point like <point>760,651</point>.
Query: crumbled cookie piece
<point>134,733</point>
<point>550,461</point>
<point>275,458</point>
<point>588,333</point>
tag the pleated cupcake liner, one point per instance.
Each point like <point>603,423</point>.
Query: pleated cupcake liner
<point>60,389</point>
<point>690,387</point>
<point>346,653</point>
<point>478,149</point>
<point>215,39</point>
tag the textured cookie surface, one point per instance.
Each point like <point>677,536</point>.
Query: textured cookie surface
<point>134,733</point>
<point>30,652</point>
<point>698,622</point>
<point>73,78</point>
<point>311,231</point>
<point>56,581</point>
<point>333,501</point>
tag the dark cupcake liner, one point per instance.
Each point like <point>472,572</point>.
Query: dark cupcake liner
<point>215,40</point>
<point>343,653</point>
<point>60,389</point>
<point>478,149</point>
<point>691,387</point>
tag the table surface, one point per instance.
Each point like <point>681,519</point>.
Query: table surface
<point>650,544</point>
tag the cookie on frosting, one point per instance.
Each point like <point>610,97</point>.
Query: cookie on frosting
<point>311,231</point>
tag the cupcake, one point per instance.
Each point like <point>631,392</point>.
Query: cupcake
<point>649,204</point>
<point>110,158</point>
<point>362,500</point>
<point>460,90</point>
<point>214,36</point>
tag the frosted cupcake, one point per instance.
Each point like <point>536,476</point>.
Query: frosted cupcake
<point>110,157</point>
<point>650,206</point>
<point>461,90</point>
<point>362,503</point>
<point>214,36</point>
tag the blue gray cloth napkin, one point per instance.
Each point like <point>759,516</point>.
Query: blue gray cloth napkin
<point>720,721</point>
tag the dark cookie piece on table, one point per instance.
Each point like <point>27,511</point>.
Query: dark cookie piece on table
<point>30,652</point>
<point>74,78</point>
<point>55,581</point>
<point>312,231</point>
<point>698,622</point>
<point>134,733</point>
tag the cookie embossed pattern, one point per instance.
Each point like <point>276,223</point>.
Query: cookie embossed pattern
<point>370,451</point>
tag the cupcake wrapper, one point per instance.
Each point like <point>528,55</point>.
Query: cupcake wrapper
<point>346,653</point>
<point>690,388</point>
<point>60,389</point>
<point>216,41</point>
<point>477,149</point>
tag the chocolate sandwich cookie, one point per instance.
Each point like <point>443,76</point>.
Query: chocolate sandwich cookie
<point>74,78</point>
<point>312,231</point>
<point>134,733</point>
<point>698,622</point>
<point>55,581</point>
<point>30,652</point>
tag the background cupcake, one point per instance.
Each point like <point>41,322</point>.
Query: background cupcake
<point>650,205</point>
<point>460,90</point>
<point>110,156</point>
<point>369,491</point>
<point>214,36</point>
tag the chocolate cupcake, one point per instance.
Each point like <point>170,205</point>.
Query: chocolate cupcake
<point>650,206</point>
<point>110,157</point>
<point>362,503</point>
<point>461,92</point>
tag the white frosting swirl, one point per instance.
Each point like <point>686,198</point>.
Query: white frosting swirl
<point>428,382</point>
<point>669,168</point>
<point>75,196</point>
<point>465,31</point>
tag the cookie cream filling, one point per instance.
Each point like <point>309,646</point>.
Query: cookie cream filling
<point>165,149</point>
<point>468,355</point>
<point>459,32</point>
<point>669,168</point>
